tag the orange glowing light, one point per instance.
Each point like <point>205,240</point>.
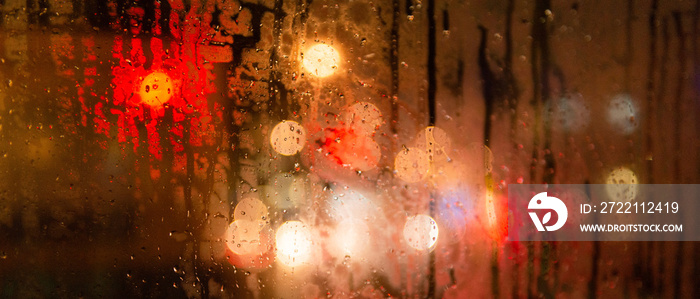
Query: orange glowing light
<point>156,89</point>
<point>497,222</point>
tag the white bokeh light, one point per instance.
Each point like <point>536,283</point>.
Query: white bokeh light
<point>293,242</point>
<point>623,114</point>
<point>288,137</point>
<point>321,60</point>
<point>420,232</point>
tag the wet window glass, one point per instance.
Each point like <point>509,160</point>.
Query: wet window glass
<point>340,149</point>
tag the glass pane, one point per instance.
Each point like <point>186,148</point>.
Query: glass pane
<point>349,149</point>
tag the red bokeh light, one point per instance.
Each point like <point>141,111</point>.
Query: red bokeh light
<point>348,148</point>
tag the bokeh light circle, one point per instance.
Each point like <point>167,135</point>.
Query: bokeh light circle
<point>412,164</point>
<point>288,137</point>
<point>251,209</point>
<point>622,184</point>
<point>420,232</point>
<point>436,143</point>
<point>293,240</point>
<point>321,60</point>
<point>243,237</point>
<point>623,114</point>
<point>156,89</point>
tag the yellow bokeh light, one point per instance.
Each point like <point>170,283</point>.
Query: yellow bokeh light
<point>293,242</point>
<point>156,89</point>
<point>621,184</point>
<point>288,137</point>
<point>420,232</point>
<point>321,60</point>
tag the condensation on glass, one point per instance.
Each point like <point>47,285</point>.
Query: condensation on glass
<point>255,149</point>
